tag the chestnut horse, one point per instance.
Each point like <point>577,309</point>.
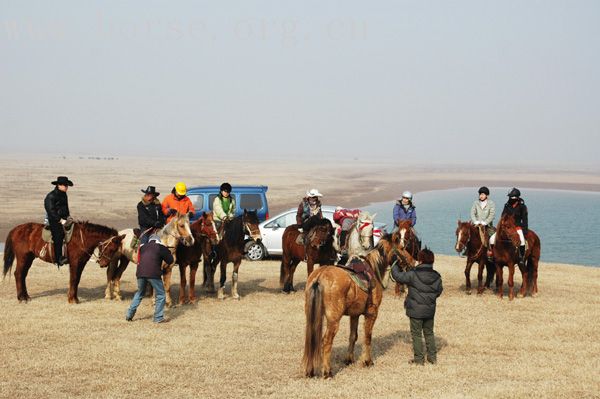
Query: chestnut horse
<point>319,249</point>
<point>24,243</point>
<point>506,252</point>
<point>411,244</point>
<point>332,293</point>
<point>231,249</point>
<point>468,242</point>
<point>174,232</point>
<point>205,236</point>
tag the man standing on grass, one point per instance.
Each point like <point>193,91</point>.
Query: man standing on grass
<point>149,270</point>
<point>424,286</point>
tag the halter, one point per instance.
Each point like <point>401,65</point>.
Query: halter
<point>101,247</point>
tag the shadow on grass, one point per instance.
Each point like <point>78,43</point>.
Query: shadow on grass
<point>84,294</point>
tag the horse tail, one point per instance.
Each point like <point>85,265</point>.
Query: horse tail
<point>9,254</point>
<point>315,310</point>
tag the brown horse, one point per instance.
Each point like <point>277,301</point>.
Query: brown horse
<point>331,293</point>
<point>231,249</point>
<point>410,243</point>
<point>319,249</point>
<point>468,242</point>
<point>506,253</point>
<point>24,243</point>
<point>205,236</point>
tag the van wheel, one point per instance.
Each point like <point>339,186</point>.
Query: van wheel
<point>254,251</point>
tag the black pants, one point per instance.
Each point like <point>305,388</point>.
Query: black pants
<point>58,236</point>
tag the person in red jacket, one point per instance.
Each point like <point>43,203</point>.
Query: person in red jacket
<point>177,202</point>
<point>345,218</point>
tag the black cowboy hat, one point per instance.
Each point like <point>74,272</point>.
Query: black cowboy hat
<point>151,190</point>
<point>514,193</point>
<point>62,181</point>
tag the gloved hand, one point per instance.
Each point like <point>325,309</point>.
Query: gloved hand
<point>63,221</point>
<point>483,223</point>
<point>476,223</point>
<point>172,212</point>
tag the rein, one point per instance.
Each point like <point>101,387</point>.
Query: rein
<point>101,246</point>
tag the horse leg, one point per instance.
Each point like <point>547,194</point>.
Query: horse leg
<point>524,283</point>
<point>481,266</point>
<point>534,287</point>
<point>23,265</point>
<point>182,283</point>
<point>365,357</point>
<point>167,283</point>
<point>333,324</point>
<point>353,338</point>
<point>234,280</point>
<point>110,272</point>
<point>222,279</point>
<point>117,277</point>
<point>209,274</point>
<point>192,291</point>
<point>283,272</point>
<point>74,279</point>
<point>490,272</point>
<point>499,282</point>
<point>511,281</point>
<point>292,270</point>
<point>468,276</point>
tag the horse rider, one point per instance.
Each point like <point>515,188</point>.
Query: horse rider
<point>515,206</point>
<point>223,205</point>
<point>56,204</point>
<point>405,210</point>
<point>482,214</point>
<point>345,218</point>
<point>309,206</point>
<point>150,215</point>
<point>177,202</point>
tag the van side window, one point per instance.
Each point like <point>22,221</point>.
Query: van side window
<point>251,201</point>
<point>197,200</point>
<point>211,200</point>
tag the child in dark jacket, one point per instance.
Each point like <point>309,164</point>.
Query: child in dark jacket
<point>424,286</point>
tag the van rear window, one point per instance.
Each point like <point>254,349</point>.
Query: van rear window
<point>197,200</point>
<point>251,201</point>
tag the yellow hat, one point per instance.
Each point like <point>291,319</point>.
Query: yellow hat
<point>180,188</point>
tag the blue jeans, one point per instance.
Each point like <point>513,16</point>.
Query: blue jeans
<point>159,290</point>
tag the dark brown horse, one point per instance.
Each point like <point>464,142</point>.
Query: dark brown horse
<point>319,249</point>
<point>205,236</point>
<point>331,293</point>
<point>506,253</point>
<point>468,242</point>
<point>24,243</point>
<point>231,249</point>
<point>410,243</point>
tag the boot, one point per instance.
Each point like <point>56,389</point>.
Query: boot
<point>343,235</point>
<point>490,253</point>
<point>522,256</point>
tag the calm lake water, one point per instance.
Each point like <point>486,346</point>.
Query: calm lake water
<point>568,222</point>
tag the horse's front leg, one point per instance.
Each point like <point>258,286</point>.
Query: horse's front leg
<point>234,280</point>
<point>333,324</point>
<point>182,284</point>
<point>110,271</point>
<point>167,284</point>
<point>365,357</point>
<point>499,281</point>
<point>192,292</point>
<point>481,266</point>
<point>222,279</point>
<point>75,277</point>
<point>117,277</point>
<point>511,281</point>
<point>468,276</point>
<point>524,283</point>
<point>353,338</point>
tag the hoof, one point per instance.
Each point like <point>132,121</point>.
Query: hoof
<point>479,292</point>
<point>236,297</point>
<point>367,363</point>
<point>327,375</point>
<point>348,362</point>
<point>468,292</point>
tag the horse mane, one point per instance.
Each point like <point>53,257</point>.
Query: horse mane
<point>97,228</point>
<point>376,256</point>
<point>505,219</point>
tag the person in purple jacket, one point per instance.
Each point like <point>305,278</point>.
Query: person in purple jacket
<point>405,210</point>
<point>149,270</point>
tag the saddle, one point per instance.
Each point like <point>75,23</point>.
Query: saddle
<point>47,234</point>
<point>360,272</point>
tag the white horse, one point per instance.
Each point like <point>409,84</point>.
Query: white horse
<point>176,231</point>
<point>359,239</point>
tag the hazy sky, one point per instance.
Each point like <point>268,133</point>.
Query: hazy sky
<point>423,80</point>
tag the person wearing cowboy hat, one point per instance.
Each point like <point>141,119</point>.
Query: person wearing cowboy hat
<point>405,210</point>
<point>150,215</point>
<point>309,206</point>
<point>56,204</point>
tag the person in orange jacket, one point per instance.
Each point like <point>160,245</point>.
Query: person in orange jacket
<point>177,202</point>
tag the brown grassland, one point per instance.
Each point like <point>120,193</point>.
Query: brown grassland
<point>548,346</point>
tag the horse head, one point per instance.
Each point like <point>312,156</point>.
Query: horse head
<point>507,230</point>
<point>365,226</point>
<point>208,228</point>
<point>463,236</point>
<point>178,230</point>
<point>321,234</point>
<point>250,222</point>
<point>109,250</point>
<point>405,232</point>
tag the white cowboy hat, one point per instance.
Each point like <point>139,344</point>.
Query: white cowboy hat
<point>313,193</point>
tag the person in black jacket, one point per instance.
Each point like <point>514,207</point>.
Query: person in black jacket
<point>424,287</point>
<point>150,214</point>
<point>149,270</point>
<point>515,206</point>
<point>56,204</point>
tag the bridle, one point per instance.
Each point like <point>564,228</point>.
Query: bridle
<point>254,233</point>
<point>101,247</point>
<point>360,228</point>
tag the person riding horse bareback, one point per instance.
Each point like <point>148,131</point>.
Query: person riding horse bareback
<point>150,214</point>
<point>483,212</point>
<point>405,210</point>
<point>345,218</point>
<point>56,204</point>
<point>177,202</point>
<point>515,207</point>
<point>309,206</point>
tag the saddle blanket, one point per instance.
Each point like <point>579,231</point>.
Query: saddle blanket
<point>47,235</point>
<point>360,272</point>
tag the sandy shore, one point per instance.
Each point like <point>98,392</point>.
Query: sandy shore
<point>107,191</point>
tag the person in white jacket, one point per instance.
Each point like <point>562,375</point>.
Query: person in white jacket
<point>483,212</point>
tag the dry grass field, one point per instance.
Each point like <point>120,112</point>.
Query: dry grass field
<point>547,346</point>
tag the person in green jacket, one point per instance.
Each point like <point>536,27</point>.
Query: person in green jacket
<point>223,205</point>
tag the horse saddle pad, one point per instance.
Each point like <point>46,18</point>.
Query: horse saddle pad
<point>47,234</point>
<point>300,239</point>
<point>360,272</point>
